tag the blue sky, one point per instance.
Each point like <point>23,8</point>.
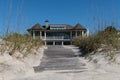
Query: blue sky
<point>20,15</point>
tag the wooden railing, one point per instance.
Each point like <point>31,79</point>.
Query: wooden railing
<point>55,38</point>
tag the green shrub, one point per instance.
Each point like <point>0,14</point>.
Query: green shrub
<point>108,37</point>
<point>87,44</point>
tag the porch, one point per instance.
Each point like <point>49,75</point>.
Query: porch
<point>57,35</point>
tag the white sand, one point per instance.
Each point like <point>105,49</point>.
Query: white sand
<point>98,68</point>
<point>12,68</point>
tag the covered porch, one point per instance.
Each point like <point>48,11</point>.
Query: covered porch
<point>57,35</point>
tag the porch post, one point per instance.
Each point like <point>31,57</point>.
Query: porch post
<point>53,43</point>
<point>75,33</point>
<point>82,33</point>
<point>33,34</point>
<point>62,43</point>
<point>71,35</point>
<point>45,35</point>
<point>40,35</point>
<point>45,38</point>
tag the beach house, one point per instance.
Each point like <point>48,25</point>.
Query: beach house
<point>57,34</point>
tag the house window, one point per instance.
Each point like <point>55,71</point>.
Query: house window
<point>57,27</point>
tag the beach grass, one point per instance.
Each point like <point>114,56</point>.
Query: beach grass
<point>20,42</point>
<point>108,39</point>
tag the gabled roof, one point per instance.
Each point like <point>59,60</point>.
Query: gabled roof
<point>37,26</point>
<point>78,27</point>
<point>69,27</point>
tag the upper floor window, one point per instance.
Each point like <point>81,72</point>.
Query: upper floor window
<point>57,27</point>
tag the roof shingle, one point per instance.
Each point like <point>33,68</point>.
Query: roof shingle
<point>79,26</point>
<point>68,27</point>
<point>37,26</point>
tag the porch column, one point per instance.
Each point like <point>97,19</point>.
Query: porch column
<point>53,43</point>
<point>40,35</point>
<point>82,33</point>
<point>87,33</point>
<point>75,33</point>
<point>33,34</point>
<point>62,43</point>
<point>71,35</point>
<point>45,38</point>
<point>45,35</point>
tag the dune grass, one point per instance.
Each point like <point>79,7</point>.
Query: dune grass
<point>22,43</point>
<point>108,39</point>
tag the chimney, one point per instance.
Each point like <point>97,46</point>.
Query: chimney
<point>46,23</point>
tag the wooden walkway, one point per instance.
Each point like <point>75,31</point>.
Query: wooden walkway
<point>59,58</point>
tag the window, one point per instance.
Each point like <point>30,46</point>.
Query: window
<point>57,27</point>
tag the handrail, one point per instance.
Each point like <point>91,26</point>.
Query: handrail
<point>55,38</point>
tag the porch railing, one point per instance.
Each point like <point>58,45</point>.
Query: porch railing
<point>55,38</point>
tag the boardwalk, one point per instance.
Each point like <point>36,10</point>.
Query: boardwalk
<point>59,63</point>
<point>59,58</point>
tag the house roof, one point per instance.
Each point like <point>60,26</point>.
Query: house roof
<point>78,27</point>
<point>37,26</point>
<point>68,27</point>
